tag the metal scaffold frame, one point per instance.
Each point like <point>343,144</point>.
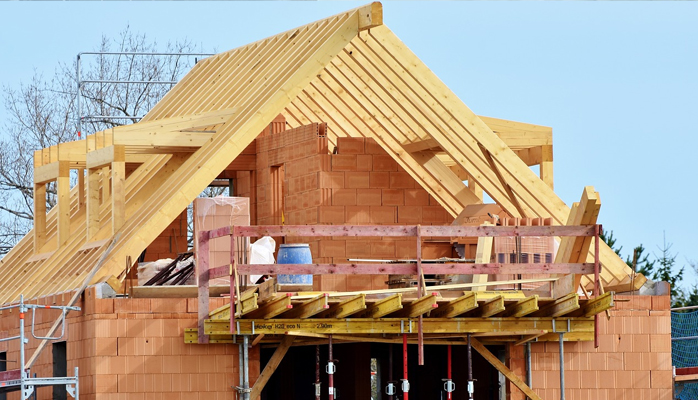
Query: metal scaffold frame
<point>20,379</point>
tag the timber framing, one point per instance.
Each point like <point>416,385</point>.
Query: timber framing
<point>349,71</point>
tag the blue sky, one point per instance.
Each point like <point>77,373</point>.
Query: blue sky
<point>616,80</point>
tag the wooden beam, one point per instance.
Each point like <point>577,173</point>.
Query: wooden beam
<point>546,165</point>
<point>105,156</point>
<point>309,307</point>
<point>93,203</point>
<point>456,307</point>
<point>418,307</point>
<point>346,308</point>
<point>382,307</point>
<point>483,254</point>
<point>528,338</point>
<point>559,307</point>
<point>271,366</point>
<point>425,144</point>
<point>370,16</point>
<point>63,202</point>
<point>118,197</point>
<point>272,308</point>
<point>522,307</point>
<point>46,173</point>
<point>492,359</point>
<point>595,306</point>
<point>565,285</point>
<point>490,307</point>
<point>39,216</point>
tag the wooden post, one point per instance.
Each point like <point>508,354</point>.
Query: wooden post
<point>421,289</point>
<point>118,189</point>
<point>93,202</point>
<point>63,202</point>
<point>202,260</point>
<point>546,165</point>
<point>81,188</point>
<point>39,216</point>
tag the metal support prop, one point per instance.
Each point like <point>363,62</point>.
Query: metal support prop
<point>529,378</point>
<point>330,369</point>
<point>562,366</point>
<point>246,367</point>
<point>405,381</point>
<point>22,341</point>
<point>390,389</point>
<point>317,373</point>
<point>449,386</point>
<point>471,383</point>
<point>242,371</point>
<point>597,234</point>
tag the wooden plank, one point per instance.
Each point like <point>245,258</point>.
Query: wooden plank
<point>559,307</point>
<point>522,307</point>
<point>528,338</point>
<point>565,285</point>
<point>271,366</point>
<point>483,254</point>
<point>176,292</point>
<point>456,307</point>
<point>511,376</point>
<point>382,307</point>
<point>346,308</point>
<point>309,307</point>
<point>418,307</point>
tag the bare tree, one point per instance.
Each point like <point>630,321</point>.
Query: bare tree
<point>43,113</point>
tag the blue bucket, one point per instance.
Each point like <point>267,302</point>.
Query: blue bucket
<point>297,253</point>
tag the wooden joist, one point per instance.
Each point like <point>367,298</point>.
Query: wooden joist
<point>276,306</point>
<point>382,307</point>
<point>418,307</point>
<point>489,307</point>
<point>561,306</point>
<point>456,307</point>
<point>522,307</point>
<point>595,306</point>
<point>309,307</point>
<point>346,308</point>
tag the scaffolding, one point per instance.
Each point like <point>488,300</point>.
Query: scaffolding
<point>20,379</point>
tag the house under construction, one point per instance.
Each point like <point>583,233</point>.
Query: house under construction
<point>335,135</point>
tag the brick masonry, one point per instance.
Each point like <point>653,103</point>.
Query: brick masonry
<point>134,349</point>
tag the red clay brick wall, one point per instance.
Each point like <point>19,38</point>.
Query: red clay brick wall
<point>360,184</point>
<point>633,360</point>
<point>134,349</point>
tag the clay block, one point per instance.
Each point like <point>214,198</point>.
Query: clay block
<point>371,147</point>
<point>356,180</point>
<point>661,303</point>
<point>344,197</point>
<point>350,145</point>
<point>416,197</point>
<point>358,215</point>
<point>364,162</point>
<point>401,180</point>
<point>383,249</point>
<point>660,379</point>
<point>331,180</point>
<point>409,215</point>
<point>368,197</point>
<point>358,249</point>
<point>660,343</point>
<point>331,214</point>
<point>383,215</point>
<point>384,163</point>
<point>333,248</point>
<point>343,162</point>
<point>169,305</point>
<point>393,197</point>
<point>379,180</point>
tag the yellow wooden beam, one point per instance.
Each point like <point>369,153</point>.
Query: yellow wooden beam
<point>382,307</point>
<point>546,165</point>
<point>425,144</point>
<point>490,307</point>
<point>245,306</point>
<point>559,307</point>
<point>522,307</point>
<point>46,173</point>
<point>531,337</point>
<point>93,203</point>
<point>418,307</point>
<point>346,308</point>
<point>595,306</point>
<point>309,307</point>
<point>492,359</point>
<point>118,196</point>
<point>278,305</point>
<point>456,307</point>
